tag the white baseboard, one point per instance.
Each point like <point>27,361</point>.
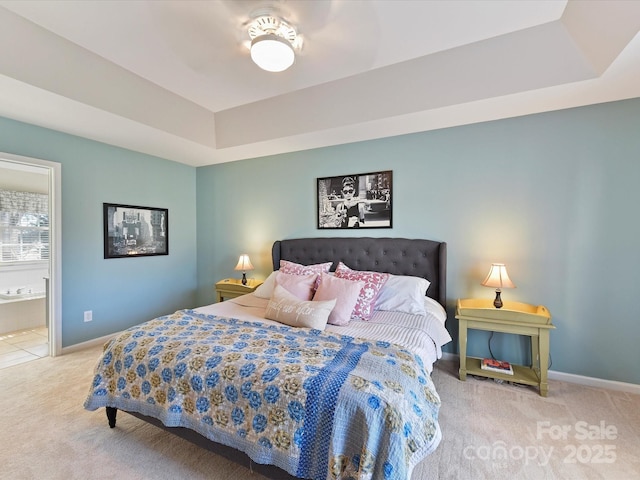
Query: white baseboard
<point>595,382</point>
<point>88,344</point>
<point>573,378</point>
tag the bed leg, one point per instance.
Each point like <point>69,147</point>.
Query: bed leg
<point>111,416</point>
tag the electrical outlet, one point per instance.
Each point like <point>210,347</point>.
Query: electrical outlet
<point>88,315</point>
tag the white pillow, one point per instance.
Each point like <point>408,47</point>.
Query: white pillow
<point>346,293</point>
<point>403,293</point>
<point>266,289</point>
<point>284,307</point>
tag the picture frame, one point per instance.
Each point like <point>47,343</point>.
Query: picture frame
<point>134,231</point>
<point>361,200</point>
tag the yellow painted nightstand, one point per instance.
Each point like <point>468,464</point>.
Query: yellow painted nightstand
<point>516,318</point>
<point>233,287</point>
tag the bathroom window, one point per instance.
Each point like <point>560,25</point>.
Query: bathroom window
<point>24,227</point>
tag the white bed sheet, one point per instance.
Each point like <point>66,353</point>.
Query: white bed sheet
<point>424,335</point>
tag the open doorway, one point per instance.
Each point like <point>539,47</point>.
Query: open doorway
<point>30,256</point>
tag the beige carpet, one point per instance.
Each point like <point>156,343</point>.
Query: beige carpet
<point>497,432</point>
<point>490,431</point>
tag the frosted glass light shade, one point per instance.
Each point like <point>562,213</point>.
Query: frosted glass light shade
<point>272,53</point>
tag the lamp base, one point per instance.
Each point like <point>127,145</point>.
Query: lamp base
<point>244,280</point>
<point>498,301</point>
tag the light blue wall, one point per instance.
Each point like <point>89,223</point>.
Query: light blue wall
<point>126,291</point>
<point>554,196</point>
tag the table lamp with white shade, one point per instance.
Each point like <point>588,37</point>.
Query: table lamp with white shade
<point>244,264</point>
<point>499,279</point>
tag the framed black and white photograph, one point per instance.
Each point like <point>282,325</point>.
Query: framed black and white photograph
<point>131,231</point>
<point>361,200</point>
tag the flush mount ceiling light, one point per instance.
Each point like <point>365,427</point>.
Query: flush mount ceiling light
<point>273,43</point>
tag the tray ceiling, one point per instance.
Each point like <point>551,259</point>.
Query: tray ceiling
<point>174,78</point>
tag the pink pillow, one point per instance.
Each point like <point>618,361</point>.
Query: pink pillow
<point>346,292</point>
<point>302,286</point>
<point>374,281</point>
<point>297,269</point>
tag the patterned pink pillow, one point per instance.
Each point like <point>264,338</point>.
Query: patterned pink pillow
<point>373,281</point>
<point>297,269</point>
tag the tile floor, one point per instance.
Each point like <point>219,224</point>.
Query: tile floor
<point>23,346</point>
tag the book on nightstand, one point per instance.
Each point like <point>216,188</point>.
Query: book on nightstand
<point>496,366</point>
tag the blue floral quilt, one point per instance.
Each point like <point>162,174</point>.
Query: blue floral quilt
<point>318,405</point>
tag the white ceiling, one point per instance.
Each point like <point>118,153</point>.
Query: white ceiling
<point>174,78</point>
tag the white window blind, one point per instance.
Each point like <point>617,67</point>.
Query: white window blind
<point>24,226</point>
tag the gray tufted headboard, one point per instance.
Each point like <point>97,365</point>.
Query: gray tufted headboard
<point>399,256</point>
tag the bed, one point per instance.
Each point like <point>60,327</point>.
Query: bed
<point>341,401</point>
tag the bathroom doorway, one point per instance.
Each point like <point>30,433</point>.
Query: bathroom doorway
<point>29,259</point>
